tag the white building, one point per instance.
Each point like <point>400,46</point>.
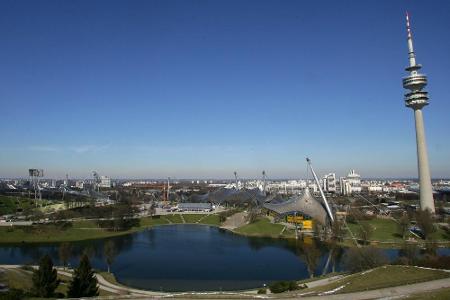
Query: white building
<point>329,183</point>
<point>79,184</point>
<point>105,182</point>
<point>355,181</point>
<point>346,188</point>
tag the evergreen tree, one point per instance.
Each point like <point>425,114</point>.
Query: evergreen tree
<point>84,283</point>
<point>45,278</point>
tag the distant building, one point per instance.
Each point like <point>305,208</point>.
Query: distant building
<point>329,183</point>
<point>195,207</point>
<point>79,184</point>
<point>345,187</point>
<point>355,181</point>
<point>105,182</point>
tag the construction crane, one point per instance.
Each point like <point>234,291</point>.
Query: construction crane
<point>330,214</point>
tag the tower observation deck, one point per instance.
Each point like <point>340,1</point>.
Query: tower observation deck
<point>416,98</point>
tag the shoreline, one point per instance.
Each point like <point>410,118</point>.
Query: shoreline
<point>109,234</point>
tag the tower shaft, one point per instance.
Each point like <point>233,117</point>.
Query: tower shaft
<point>426,190</point>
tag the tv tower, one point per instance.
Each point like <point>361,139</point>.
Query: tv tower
<point>416,99</point>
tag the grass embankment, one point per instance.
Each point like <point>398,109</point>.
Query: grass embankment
<point>386,231</point>
<point>88,230</point>
<point>382,277</point>
<point>21,279</point>
<point>264,228</point>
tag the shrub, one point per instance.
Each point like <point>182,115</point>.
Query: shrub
<point>436,262</point>
<point>262,291</point>
<point>283,286</point>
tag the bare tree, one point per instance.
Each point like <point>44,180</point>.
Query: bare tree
<point>403,225</point>
<point>64,252</point>
<point>337,230</point>
<point>359,259</point>
<point>424,220</point>
<point>110,252</point>
<point>365,232</point>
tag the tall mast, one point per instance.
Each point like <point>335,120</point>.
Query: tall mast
<point>330,214</point>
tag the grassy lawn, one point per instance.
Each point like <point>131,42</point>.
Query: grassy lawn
<point>386,230</point>
<point>211,220</point>
<point>381,277</point>
<point>175,219</point>
<point>192,218</point>
<point>17,279</point>
<point>49,233</point>
<point>153,221</point>
<point>84,224</point>
<point>440,235</point>
<point>261,227</point>
<point>383,230</point>
<point>87,230</point>
<point>289,233</point>
<point>442,294</point>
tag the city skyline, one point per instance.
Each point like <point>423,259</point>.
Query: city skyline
<point>200,89</point>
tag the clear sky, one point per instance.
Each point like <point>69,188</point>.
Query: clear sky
<point>195,89</point>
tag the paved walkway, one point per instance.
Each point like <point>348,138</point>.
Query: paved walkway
<point>235,221</point>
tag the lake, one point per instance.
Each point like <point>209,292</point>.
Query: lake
<point>193,257</point>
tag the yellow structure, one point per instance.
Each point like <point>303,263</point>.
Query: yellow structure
<point>307,224</point>
<point>295,219</point>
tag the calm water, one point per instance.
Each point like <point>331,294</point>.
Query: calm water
<point>192,257</point>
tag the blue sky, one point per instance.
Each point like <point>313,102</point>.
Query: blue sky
<point>195,89</point>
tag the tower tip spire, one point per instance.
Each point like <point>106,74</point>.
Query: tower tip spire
<point>408,26</point>
<point>412,56</point>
